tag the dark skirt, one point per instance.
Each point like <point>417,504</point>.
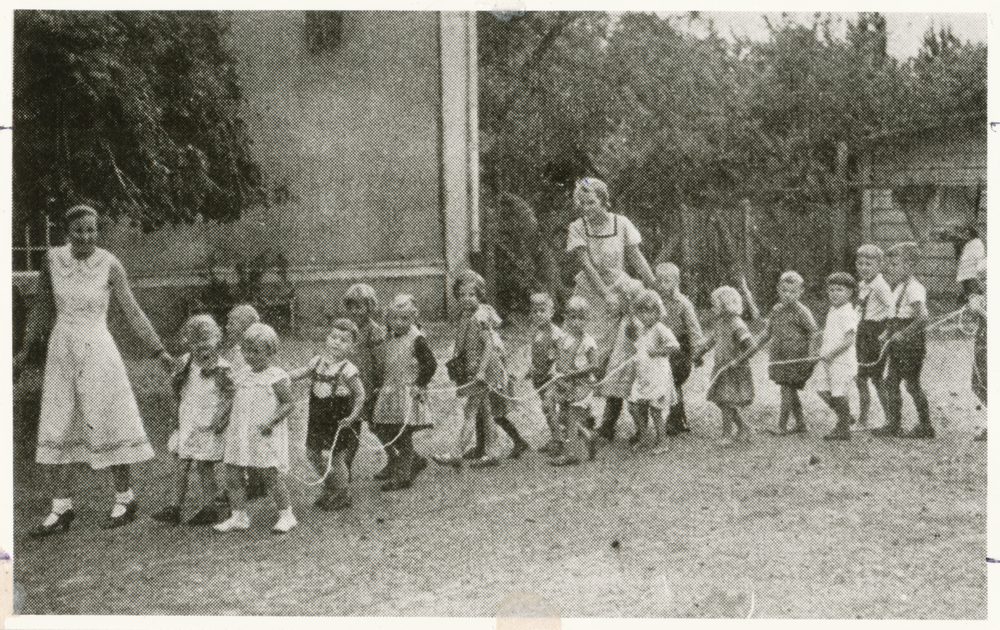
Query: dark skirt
<point>733,388</point>
<point>869,348</point>
<point>325,415</point>
<point>792,375</point>
<point>908,354</point>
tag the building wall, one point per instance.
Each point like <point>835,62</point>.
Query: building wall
<point>380,168</point>
<point>952,164</point>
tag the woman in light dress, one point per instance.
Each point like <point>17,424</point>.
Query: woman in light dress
<point>89,413</point>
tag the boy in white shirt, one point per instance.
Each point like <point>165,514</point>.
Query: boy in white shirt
<point>838,364</point>
<point>907,344</point>
<point>874,312</point>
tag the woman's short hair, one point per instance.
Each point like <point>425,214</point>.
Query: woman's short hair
<point>594,185</point>
<point>262,336</point>
<point>728,299</point>
<point>78,211</point>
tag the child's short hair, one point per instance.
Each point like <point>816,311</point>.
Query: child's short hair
<point>908,251</point>
<point>791,277</point>
<point>345,325</point>
<point>873,252</point>
<point>542,299</point>
<point>240,318</point>
<point>666,268</point>
<point>200,328</point>
<point>577,305</point>
<point>595,186</point>
<point>360,294</point>
<point>627,286</point>
<point>403,304</point>
<point>649,300</point>
<point>263,336</point>
<point>843,279</point>
<point>728,299</point>
<point>470,277</point>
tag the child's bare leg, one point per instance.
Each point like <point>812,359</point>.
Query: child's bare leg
<point>786,408</point>
<point>640,414</point>
<point>800,419</point>
<point>468,429</point>
<point>489,428</point>
<point>237,489</point>
<point>659,422</point>
<point>727,420</point>
<point>742,433</point>
<point>206,474</point>
<point>279,489</point>
<point>180,480</point>
<point>864,399</point>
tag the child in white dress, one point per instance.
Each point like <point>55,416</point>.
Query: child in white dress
<point>653,391</point>
<point>204,399</point>
<point>257,434</point>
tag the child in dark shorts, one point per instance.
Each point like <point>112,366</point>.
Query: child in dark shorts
<point>907,345</point>
<point>336,397</point>
<point>874,312</point>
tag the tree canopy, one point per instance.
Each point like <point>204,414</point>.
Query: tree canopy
<point>134,111</point>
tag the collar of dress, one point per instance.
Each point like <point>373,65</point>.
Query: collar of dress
<point>65,264</point>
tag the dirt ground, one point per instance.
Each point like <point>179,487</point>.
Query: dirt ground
<point>788,527</point>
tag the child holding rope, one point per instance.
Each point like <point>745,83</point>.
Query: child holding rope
<point>905,344</point>
<point>369,357</point>
<point>732,383</point>
<point>682,319</point>
<point>478,367</point>
<point>544,348</point>
<point>401,407</point>
<point>838,361</point>
<point>204,396</point>
<point>616,386</point>
<point>653,391</point>
<point>573,391</point>
<point>791,329</point>
<point>257,434</point>
<point>874,311</point>
<point>336,397</point>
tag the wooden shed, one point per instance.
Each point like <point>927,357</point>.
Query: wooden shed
<point>916,185</point>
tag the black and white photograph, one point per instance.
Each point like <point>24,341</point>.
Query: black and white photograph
<point>498,314</point>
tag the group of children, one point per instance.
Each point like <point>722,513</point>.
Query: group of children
<point>234,403</point>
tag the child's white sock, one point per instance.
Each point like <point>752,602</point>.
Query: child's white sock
<point>125,497</point>
<point>61,506</point>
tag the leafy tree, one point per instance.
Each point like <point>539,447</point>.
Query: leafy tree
<point>137,112</point>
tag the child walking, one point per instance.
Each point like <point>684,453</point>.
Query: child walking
<point>653,391</point>
<point>616,386</point>
<point>257,434</point>
<point>204,394</point>
<point>838,364</point>
<point>401,407</point>
<point>369,356</point>
<point>732,382</point>
<point>682,319</point>
<point>544,349</point>
<point>576,362</point>
<point>874,310</point>
<point>791,329</point>
<point>907,345</point>
<point>336,397</point>
<point>478,367</point>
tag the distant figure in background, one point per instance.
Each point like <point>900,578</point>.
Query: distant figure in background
<point>977,305</point>
<point>971,251</point>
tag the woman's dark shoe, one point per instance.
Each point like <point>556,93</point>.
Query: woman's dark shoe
<point>171,515</point>
<point>207,515</point>
<point>131,509</point>
<point>60,525</point>
<point>419,463</point>
<point>383,474</point>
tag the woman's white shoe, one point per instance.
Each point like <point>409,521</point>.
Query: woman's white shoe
<point>235,522</point>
